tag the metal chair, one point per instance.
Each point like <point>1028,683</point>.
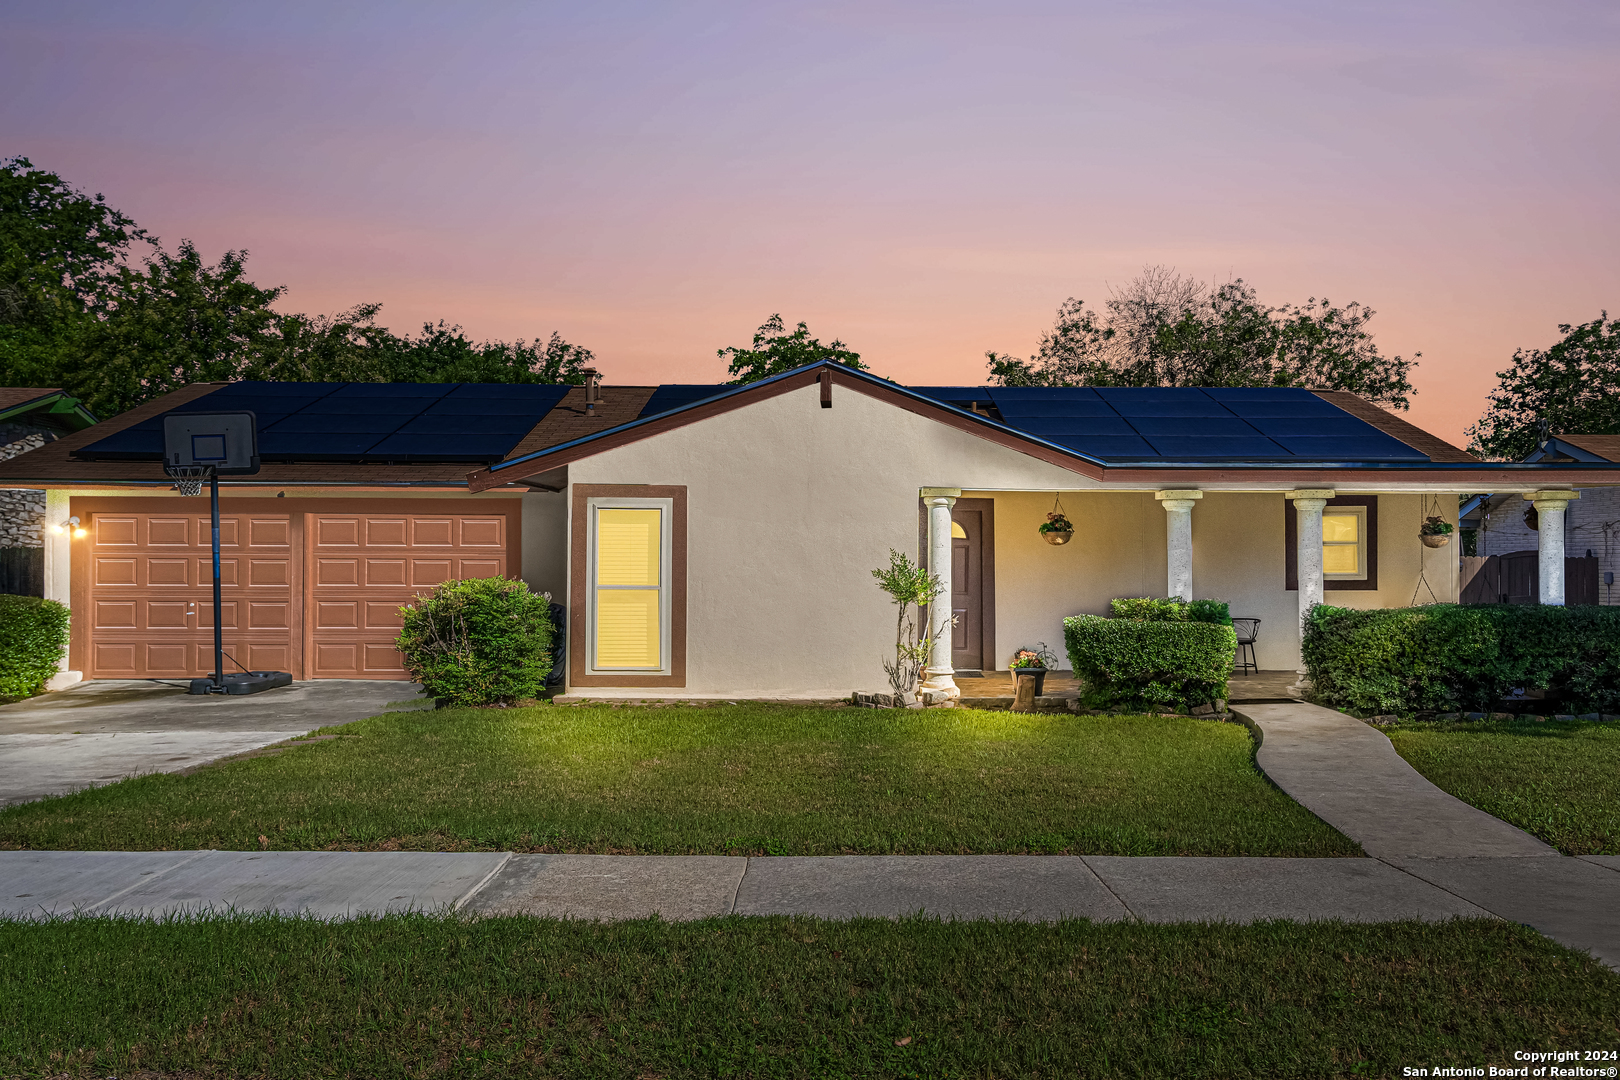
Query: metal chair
<point>1247,630</point>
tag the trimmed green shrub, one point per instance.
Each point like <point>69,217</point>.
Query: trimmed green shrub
<point>1461,658</point>
<point>1139,663</point>
<point>33,640</point>
<point>478,642</point>
<point>1170,609</point>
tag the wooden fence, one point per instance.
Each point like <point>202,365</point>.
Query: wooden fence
<point>1515,578</point>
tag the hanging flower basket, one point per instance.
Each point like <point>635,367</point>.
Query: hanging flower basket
<point>1057,529</point>
<point>1435,532</point>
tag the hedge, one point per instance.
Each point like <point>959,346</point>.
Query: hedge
<point>1139,663</point>
<point>478,642</point>
<point>1171,609</point>
<point>33,640</point>
<point>1452,658</point>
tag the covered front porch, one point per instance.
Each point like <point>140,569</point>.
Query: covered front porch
<point>1271,555</point>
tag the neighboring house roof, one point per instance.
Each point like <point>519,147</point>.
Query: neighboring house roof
<point>415,434</point>
<point>1596,447</point>
<point>46,406</point>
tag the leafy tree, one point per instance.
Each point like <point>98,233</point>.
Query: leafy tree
<point>177,321</point>
<point>444,353</point>
<point>1163,329</point>
<point>776,350</point>
<point>1572,387</point>
<point>61,253</point>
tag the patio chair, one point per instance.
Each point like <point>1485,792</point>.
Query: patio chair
<point>1247,630</point>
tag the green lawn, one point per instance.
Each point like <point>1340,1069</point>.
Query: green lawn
<point>1556,780</point>
<point>425,996</point>
<point>742,779</point>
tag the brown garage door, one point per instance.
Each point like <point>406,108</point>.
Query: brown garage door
<point>305,590</point>
<point>152,595</point>
<point>363,568</point>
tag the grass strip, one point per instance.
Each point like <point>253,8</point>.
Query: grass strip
<point>1557,780</point>
<point>422,996</point>
<point>746,779</point>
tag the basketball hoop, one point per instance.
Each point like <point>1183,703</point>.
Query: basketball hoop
<point>188,479</point>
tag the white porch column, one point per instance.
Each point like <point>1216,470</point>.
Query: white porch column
<point>939,675</point>
<point>59,570</point>
<point>1308,506</point>
<point>1178,505</point>
<point>1550,507</point>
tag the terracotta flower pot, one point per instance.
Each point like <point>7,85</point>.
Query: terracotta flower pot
<point>1434,541</point>
<point>1056,538</point>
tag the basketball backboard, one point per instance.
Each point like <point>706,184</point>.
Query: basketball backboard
<point>227,441</point>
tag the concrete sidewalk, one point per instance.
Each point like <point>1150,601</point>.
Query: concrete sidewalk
<point>1350,776</point>
<point>1573,901</point>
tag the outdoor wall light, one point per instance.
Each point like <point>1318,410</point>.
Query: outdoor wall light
<point>71,523</point>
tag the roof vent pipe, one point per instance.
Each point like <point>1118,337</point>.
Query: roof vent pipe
<point>593,389</point>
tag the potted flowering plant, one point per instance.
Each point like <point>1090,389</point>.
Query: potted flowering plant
<point>1036,662</point>
<point>1057,529</point>
<point>1435,531</point>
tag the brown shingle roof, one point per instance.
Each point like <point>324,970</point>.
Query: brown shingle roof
<point>1606,447</point>
<point>17,395</point>
<point>1390,424</point>
<point>569,420</point>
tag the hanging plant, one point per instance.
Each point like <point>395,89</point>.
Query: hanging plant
<point>1435,531</point>
<point>1057,529</point>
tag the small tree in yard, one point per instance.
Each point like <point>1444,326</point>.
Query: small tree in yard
<point>908,585</point>
<point>478,642</point>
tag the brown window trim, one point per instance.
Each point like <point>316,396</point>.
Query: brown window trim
<point>1291,541</point>
<point>579,588</point>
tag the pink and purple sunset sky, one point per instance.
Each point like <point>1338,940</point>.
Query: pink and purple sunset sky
<point>924,181</point>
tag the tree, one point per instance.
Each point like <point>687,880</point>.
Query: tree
<point>1572,388</point>
<point>444,353</point>
<point>1162,329</point>
<point>61,253</point>
<point>776,350</point>
<point>177,321</point>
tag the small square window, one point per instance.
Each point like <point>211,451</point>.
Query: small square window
<point>1344,543</point>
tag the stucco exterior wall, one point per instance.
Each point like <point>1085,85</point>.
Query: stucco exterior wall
<point>792,505</point>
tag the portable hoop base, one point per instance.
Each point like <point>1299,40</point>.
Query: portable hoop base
<point>241,682</point>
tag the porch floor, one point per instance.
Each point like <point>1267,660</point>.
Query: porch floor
<point>994,689</point>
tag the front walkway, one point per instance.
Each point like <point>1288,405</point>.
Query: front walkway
<point>1350,776</point>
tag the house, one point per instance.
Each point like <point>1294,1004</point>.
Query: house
<point>718,541</point>
<point>30,416</point>
<point>1502,522</point>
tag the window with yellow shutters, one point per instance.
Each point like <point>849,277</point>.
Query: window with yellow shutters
<point>629,585</point>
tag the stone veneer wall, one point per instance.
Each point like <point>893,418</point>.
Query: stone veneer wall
<point>22,512</point>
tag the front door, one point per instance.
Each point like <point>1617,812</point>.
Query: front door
<point>973,584</point>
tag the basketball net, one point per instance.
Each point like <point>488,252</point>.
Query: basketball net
<point>188,479</point>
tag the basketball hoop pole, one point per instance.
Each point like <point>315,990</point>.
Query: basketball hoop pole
<point>219,629</point>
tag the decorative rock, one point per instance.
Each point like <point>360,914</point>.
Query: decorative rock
<point>1476,716</point>
<point>1532,718</point>
<point>1205,709</point>
<point>1592,717</point>
<point>935,697</point>
<point>1449,717</point>
<point>1384,718</point>
<point>1501,716</point>
<point>1566,718</point>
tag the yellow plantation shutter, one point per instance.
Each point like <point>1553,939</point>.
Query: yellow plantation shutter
<point>629,560</point>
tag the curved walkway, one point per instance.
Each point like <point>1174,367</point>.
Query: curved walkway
<point>1350,776</point>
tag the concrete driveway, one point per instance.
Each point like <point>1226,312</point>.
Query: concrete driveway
<point>102,731</point>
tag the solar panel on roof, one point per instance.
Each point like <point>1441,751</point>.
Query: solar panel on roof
<point>1108,447</point>
<point>1313,426</point>
<point>1378,447</point>
<point>1072,407</point>
<point>1310,405</point>
<point>1209,427</point>
<point>672,396</point>
<point>362,421</point>
<point>1198,448</point>
<point>1048,427</point>
<point>1257,393</point>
